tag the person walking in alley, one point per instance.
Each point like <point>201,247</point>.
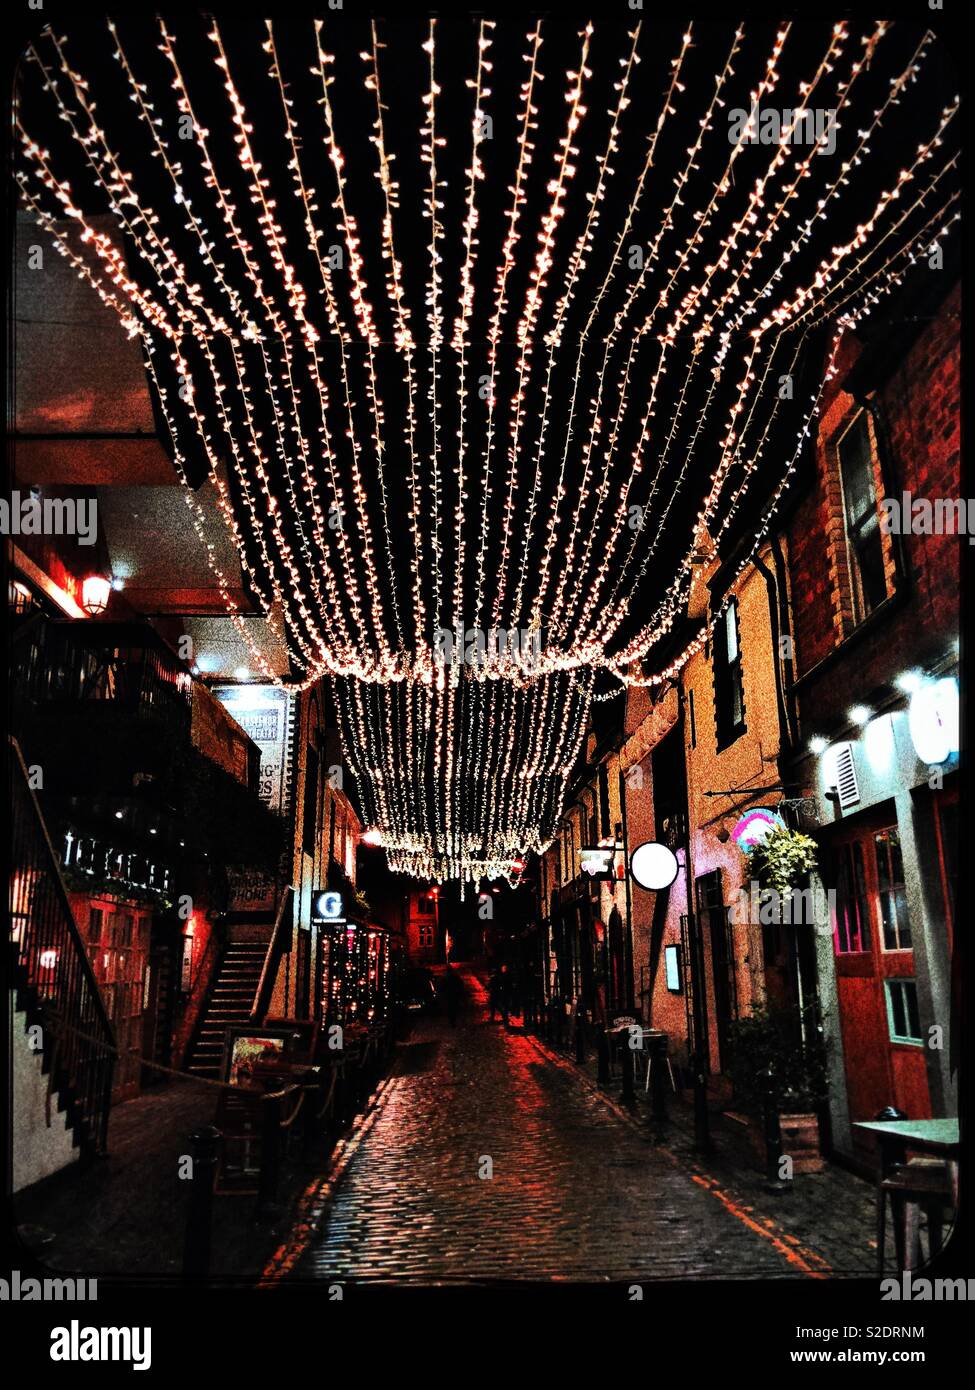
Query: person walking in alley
<point>451,989</point>
<point>494,991</point>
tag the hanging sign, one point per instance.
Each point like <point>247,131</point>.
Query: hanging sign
<point>327,908</point>
<point>653,865</point>
<point>752,829</point>
<point>933,720</point>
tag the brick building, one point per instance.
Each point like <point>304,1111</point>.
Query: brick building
<point>876,700</point>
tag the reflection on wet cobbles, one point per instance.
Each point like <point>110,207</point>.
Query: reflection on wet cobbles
<point>487,1160</point>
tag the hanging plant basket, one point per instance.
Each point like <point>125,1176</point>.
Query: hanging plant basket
<point>782,860</point>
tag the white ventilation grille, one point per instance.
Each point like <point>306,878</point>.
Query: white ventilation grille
<point>844,770</point>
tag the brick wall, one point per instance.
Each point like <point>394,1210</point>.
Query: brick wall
<point>919,413</point>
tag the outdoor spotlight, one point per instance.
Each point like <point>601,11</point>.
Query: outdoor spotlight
<point>859,714</point>
<point>818,745</point>
<point>118,584</point>
<point>909,681</point>
<point>94,595</point>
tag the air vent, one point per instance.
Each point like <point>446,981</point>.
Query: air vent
<point>845,773</point>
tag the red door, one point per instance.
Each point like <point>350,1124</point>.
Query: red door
<point>883,1043</point>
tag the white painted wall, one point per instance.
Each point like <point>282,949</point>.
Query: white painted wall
<point>39,1148</point>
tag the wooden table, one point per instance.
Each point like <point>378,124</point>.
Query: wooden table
<point>895,1137</point>
<point>939,1137</point>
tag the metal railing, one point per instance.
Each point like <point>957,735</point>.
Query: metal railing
<point>127,664</point>
<point>52,963</point>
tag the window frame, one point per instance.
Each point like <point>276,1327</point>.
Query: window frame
<point>870,517</point>
<point>729,677</point>
<point>902,983</point>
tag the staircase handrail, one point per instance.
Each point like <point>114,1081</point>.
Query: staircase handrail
<point>63,993</point>
<point>57,877</point>
<point>272,958</point>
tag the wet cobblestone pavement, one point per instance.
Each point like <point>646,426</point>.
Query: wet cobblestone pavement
<point>576,1192</point>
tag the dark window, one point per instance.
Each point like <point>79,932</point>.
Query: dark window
<point>604,799</point>
<point>729,693</point>
<point>893,898</point>
<point>852,922</point>
<point>311,802</point>
<point>864,545</point>
<point>903,1018</point>
<point>95,916</point>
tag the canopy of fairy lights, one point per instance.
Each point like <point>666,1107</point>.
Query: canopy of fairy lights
<point>480,336</point>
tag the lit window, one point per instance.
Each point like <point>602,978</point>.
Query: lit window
<point>852,922</point>
<point>865,555</point>
<point>903,1018</point>
<point>893,898</point>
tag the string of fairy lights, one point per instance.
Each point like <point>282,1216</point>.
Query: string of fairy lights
<point>454,499</point>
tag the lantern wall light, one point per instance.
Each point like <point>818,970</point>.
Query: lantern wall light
<point>94,595</point>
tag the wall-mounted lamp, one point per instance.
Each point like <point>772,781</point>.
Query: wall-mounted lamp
<point>94,595</point>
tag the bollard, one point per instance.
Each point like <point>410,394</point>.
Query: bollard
<point>658,1092</point>
<point>773,1135</point>
<point>602,1056</point>
<point>205,1143</point>
<point>270,1153</point>
<point>627,1097</point>
<point>702,1120</point>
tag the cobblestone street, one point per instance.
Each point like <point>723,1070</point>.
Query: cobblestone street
<point>576,1191</point>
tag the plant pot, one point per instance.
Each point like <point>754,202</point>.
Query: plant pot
<point>800,1140</point>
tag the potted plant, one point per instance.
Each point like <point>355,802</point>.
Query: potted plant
<point>790,1048</point>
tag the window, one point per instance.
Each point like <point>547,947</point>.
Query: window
<point>604,799</point>
<point>893,899</point>
<point>865,555</point>
<point>729,694</point>
<point>903,1018</point>
<point>425,935</point>
<point>95,918</point>
<point>311,802</point>
<point>852,922</point>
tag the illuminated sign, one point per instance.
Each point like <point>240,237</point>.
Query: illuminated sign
<point>327,908</point>
<point>672,969</point>
<point>653,865</point>
<point>933,720</point>
<point>596,861</point>
<point>752,829</point>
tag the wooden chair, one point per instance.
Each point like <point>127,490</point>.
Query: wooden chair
<point>921,1185</point>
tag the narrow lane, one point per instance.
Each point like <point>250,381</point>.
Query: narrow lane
<point>574,1193</point>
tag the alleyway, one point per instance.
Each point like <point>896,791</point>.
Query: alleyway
<point>575,1191</point>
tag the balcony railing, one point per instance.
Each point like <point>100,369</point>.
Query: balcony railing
<point>107,701</point>
<point>127,664</point>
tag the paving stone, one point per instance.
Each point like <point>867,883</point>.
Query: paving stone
<point>577,1191</point>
